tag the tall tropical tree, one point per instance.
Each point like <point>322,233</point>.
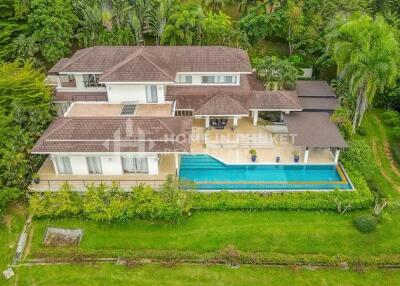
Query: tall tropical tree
<point>366,53</point>
<point>216,5</point>
<point>184,26</point>
<point>159,17</point>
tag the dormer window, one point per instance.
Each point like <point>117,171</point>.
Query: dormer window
<point>185,79</point>
<point>219,79</point>
<point>91,80</point>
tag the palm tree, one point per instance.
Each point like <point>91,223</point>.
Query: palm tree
<point>159,18</point>
<point>216,4</point>
<point>366,53</point>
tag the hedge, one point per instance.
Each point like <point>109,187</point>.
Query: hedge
<point>311,200</point>
<point>109,203</point>
<point>228,255</point>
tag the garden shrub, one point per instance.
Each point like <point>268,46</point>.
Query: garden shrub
<point>358,156</point>
<point>362,131</point>
<point>365,223</point>
<point>6,196</point>
<point>391,118</point>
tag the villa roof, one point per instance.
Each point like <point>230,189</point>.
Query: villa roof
<point>314,129</point>
<point>188,97</point>
<point>313,88</point>
<point>221,104</point>
<point>117,134</point>
<point>163,62</point>
<point>318,103</point>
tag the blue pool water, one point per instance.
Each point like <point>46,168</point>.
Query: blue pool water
<point>211,174</point>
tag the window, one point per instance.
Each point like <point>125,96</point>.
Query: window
<point>94,165</point>
<point>184,112</point>
<point>208,79</point>
<point>134,165</point>
<point>184,79</point>
<point>128,109</point>
<point>151,94</point>
<point>63,165</point>
<point>91,80</point>
<point>219,79</point>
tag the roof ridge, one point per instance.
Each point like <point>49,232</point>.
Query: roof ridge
<point>80,56</point>
<point>65,119</point>
<point>218,93</point>
<point>232,56</point>
<point>165,126</point>
<point>121,63</point>
<point>154,64</point>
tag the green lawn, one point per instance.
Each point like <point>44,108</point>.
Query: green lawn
<point>377,137</point>
<point>10,230</point>
<point>197,275</point>
<point>297,232</point>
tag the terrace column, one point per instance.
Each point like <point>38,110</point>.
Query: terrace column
<point>235,121</point>
<point>255,117</point>
<point>306,155</point>
<point>176,163</point>
<point>337,152</point>
<point>58,82</point>
<point>207,123</point>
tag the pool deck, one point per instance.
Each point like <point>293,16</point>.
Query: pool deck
<point>233,146</point>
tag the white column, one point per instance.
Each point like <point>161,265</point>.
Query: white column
<point>255,117</point>
<point>207,123</point>
<point>306,155</point>
<point>177,163</point>
<point>58,82</point>
<point>235,121</point>
<point>337,152</point>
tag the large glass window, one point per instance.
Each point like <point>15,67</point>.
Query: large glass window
<point>135,165</point>
<point>63,165</point>
<point>94,165</point>
<point>151,94</point>
<point>91,80</point>
<point>184,79</point>
<point>219,79</point>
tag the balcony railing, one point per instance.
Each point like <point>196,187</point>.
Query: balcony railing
<point>71,83</point>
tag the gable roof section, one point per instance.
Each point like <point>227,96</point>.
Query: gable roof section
<point>314,129</point>
<point>274,100</point>
<point>169,59</point>
<point>138,67</point>
<point>115,135</point>
<point>221,104</point>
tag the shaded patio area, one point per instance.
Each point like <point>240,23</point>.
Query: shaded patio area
<point>233,145</point>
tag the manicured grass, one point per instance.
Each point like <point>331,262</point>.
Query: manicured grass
<point>377,137</point>
<point>197,275</point>
<point>10,229</point>
<point>297,232</point>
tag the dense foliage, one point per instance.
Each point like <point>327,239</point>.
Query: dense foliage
<point>110,203</point>
<point>24,113</point>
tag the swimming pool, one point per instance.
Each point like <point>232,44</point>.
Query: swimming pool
<point>209,173</point>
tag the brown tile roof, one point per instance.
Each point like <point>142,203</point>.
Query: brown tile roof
<point>106,134</point>
<point>80,96</point>
<point>319,103</point>
<point>314,129</point>
<point>314,88</point>
<point>221,104</point>
<point>195,98</point>
<point>167,60</point>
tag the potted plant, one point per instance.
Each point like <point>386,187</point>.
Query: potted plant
<point>35,178</point>
<point>296,156</point>
<point>253,154</point>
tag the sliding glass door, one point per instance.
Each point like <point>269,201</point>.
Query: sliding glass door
<point>135,165</point>
<point>94,165</point>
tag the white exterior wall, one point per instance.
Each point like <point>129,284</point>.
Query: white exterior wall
<point>118,93</point>
<point>111,165</point>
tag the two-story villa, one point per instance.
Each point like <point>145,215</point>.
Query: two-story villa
<point>127,114</point>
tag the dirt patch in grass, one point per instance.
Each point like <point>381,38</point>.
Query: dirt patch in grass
<point>389,154</point>
<point>379,163</point>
